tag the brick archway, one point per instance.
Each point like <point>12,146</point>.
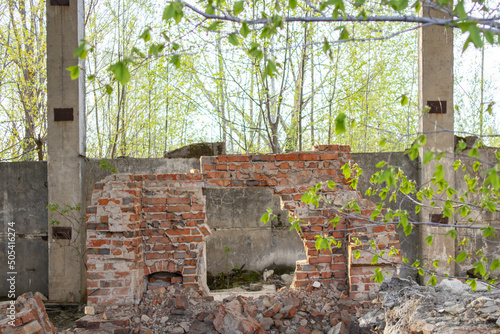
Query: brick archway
<point>144,224</point>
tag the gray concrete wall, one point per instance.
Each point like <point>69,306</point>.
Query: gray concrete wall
<point>233,215</point>
<point>410,245</point>
<point>481,217</point>
<point>23,200</point>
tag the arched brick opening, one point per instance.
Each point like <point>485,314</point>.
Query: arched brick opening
<point>146,224</point>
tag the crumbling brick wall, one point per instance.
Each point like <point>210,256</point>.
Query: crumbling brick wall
<point>144,224</point>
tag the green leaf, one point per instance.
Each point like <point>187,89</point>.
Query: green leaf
<point>408,228</point>
<point>155,49</point>
<point>452,233</point>
<point>476,166</point>
<point>331,184</point>
<point>488,231</point>
<point>421,272</point>
<point>120,70</point>
<point>428,156</point>
<point>326,46</point>
<point>461,257</point>
<point>475,35</point>
<point>495,264</point>
<point>265,218</point>
<point>292,4</point>
<point>479,268</point>
<point>344,34</point>
<point>340,123</point>
<point>335,221</point>
<point>356,254</point>
<point>460,10</point>
<point>492,178</point>
<point>237,7</point>
<point>429,240</point>
<point>168,12</point>
<point>439,173</point>
<point>472,283</point>
<point>417,5</point>
<point>81,51</point>
<point>210,9</point>
<point>381,164</point>
<point>244,31</point>
<point>176,60</point>
<point>233,39</point>
<point>432,280</point>
<point>398,5</point>
<point>474,153</point>
<point>375,259</point>
<point>74,71</point>
<point>378,276</point>
<point>404,100</point>
<point>270,68</point>
<point>146,35</point>
<point>108,89</point>
<point>214,26</point>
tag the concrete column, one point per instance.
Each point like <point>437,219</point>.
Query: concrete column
<point>436,92</point>
<point>66,149</point>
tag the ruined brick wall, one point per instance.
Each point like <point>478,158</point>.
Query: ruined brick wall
<point>140,225</point>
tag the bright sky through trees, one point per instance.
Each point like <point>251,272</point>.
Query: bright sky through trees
<point>192,84</point>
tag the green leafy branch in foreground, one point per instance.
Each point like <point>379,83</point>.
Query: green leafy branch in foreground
<point>236,21</point>
<point>482,194</point>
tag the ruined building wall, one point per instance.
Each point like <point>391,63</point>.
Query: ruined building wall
<point>141,225</point>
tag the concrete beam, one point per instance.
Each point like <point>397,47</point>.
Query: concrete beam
<point>65,150</point>
<point>436,93</point>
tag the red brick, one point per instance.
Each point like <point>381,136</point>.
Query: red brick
<point>329,156</point>
<point>234,167</point>
<point>199,215</point>
<point>220,183</point>
<point>287,157</point>
<point>98,243</point>
<point>339,266</point>
<point>178,231</point>
<point>238,158</point>
<point>105,201</point>
<point>285,165</point>
<point>320,259</point>
<point>178,208</point>
<point>308,156</point>
<point>27,317</point>
<point>221,167</point>
<point>155,200</point>
<point>178,200</point>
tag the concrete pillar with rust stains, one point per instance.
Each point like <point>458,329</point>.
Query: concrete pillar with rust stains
<point>436,95</point>
<point>66,148</point>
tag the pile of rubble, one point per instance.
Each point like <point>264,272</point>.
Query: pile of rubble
<point>26,314</point>
<point>176,310</point>
<point>403,306</point>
